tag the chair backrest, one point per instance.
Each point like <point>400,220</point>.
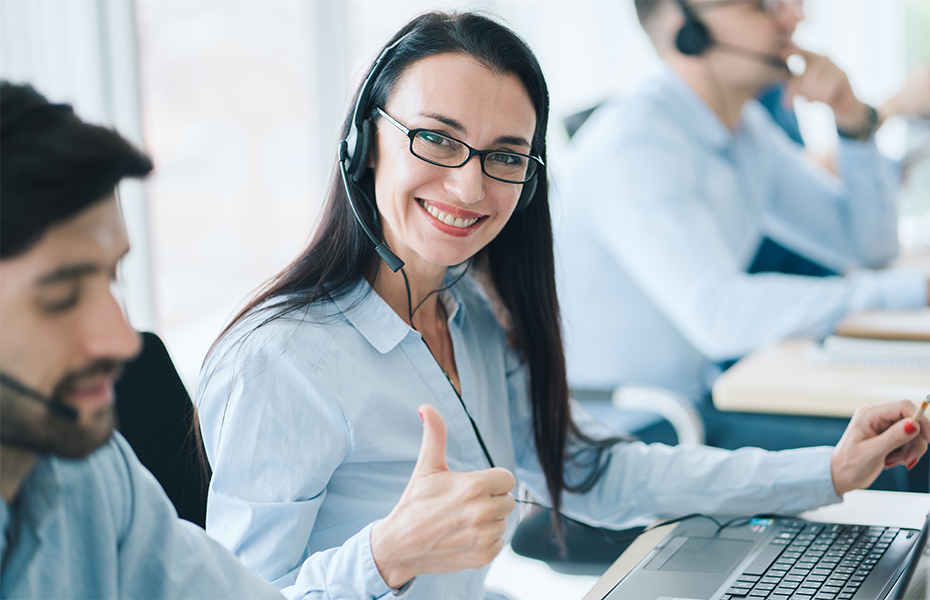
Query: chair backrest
<point>157,418</point>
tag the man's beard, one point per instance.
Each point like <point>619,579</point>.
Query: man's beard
<point>27,422</point>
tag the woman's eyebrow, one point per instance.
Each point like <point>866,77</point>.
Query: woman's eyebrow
<point>510,140</point>
<point>447,121</point>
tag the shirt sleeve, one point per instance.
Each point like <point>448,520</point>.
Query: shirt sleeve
<point>850,220</point>
<point>648,204</point>
<point>162,556</point>
<point>645,482</point>
<point>275,435</point>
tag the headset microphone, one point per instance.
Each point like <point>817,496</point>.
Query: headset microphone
<point>694,39</point>
<point>768,59</point>
<point>63,411</point>
<point>353,152</point>
<point>389,258</point>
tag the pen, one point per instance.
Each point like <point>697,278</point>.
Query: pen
<point>922,409</point>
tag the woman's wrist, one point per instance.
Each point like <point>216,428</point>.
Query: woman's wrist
<point>393,574</point>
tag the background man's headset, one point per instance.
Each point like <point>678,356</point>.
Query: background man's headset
<point>694,39</point>
<point>353,157</point>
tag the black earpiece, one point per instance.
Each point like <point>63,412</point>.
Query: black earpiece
<point>693,38</point>
<point>358,142</point>
<point>353,154</point>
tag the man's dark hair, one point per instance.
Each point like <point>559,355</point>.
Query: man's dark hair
<point>53,165</point>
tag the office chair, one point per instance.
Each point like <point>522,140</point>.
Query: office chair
<point>157,418</point>
<point>650,414</point>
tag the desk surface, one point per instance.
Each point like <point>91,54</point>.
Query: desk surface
<point>862,507</point>
<point>779,379</point>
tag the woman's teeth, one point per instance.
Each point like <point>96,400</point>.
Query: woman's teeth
<point>447,218</point>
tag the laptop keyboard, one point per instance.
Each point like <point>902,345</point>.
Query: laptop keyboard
<point>813,562</point>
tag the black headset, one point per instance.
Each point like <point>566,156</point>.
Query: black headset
<point>693,38</point>
<point>353,154</point>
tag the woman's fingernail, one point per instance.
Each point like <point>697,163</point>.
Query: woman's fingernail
<point>911,464</point>
<point>420,412</point>
<point>909,428</point>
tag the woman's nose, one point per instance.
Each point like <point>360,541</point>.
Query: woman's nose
<point>467,182</point>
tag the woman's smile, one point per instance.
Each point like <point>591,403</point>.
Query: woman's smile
<point>450,219</point>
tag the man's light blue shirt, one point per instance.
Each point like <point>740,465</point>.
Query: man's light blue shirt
<point>102,527</point>
<point>661,212</point>
<point>310,423</point>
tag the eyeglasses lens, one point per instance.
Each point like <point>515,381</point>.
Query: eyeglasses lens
<point>439,149</point>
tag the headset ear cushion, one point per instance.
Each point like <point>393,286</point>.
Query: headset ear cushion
<point>693,38</point>
<point>526,196</point>
<point>360,152</point>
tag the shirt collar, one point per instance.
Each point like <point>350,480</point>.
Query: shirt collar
<point>691,111</point>
<point>38,498</point>
<point>377,321</point>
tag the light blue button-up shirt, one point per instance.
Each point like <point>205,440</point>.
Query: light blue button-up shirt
<point>102,527</point>
<point>310,423</point>
<point>661,212</point>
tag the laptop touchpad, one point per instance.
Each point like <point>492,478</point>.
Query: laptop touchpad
<point>700,555</point>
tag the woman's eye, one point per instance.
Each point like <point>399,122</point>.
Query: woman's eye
<point>434,138</point>
<point>505,159</point>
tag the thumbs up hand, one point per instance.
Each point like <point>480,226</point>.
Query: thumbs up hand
<point>444,521</point>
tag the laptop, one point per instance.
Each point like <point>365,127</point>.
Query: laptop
<point>781,559</point>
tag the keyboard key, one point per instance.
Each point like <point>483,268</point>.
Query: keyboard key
<point>742,585</point>
<point>763,560</point>
<point>738,592</point>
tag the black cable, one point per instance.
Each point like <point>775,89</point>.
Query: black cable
<point>417,307</point>
<point>411,311</point>
<point>631,533</point>
<point>634,532</point>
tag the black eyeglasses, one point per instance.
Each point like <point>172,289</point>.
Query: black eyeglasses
<point>441,150</point>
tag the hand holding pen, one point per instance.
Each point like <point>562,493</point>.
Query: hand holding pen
<point>879,436</point>
<point>920,411</point>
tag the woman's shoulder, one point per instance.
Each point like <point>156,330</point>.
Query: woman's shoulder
<point>281,329</point>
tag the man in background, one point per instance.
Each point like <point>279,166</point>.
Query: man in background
<point>81,517</point>
<point>694,230</point>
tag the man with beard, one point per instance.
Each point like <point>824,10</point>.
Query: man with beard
<point>81,517</point>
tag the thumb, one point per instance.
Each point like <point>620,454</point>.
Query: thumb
<point>432,456</point>
<point>896,436</point>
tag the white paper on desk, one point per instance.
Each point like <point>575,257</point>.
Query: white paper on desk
<point>839,351</point>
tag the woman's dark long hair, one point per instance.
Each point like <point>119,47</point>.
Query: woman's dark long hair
<point>518,263</point>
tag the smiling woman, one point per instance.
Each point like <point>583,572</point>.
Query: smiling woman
<point>375,343</point>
